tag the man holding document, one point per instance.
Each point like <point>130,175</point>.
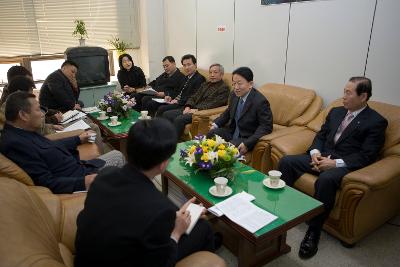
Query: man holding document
<point>127,221</point>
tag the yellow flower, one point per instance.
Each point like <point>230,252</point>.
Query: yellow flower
<point>221,146</point>
<point>221,153</point>
<point>204,157</point>
<point>205,149</point>
<point>211,142</point>
<point>192,149</point>
<point>235,151</point>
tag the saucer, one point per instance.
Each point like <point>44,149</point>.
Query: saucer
<point>267,183</point>
<point>102,119</point>
<point>213,191</point>
<point>112,125</point>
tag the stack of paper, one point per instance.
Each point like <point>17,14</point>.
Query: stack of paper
<point>79,125</point>
<point>76,115</point>
<point>240,210</point>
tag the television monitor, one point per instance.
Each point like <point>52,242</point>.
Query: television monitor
<point>93,64</point>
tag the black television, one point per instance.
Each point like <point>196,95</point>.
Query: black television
<point>93,64</point>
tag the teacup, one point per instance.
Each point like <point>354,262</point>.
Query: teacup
<point>220,184</point>
<point>92,137</point>
<point>114,120</point>
<point>144,114</point>
<point>102,114</point>
<point>274,177</point>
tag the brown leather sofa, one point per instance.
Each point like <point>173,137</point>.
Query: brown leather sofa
<point>292,108</point>
<point>37,228</point>
<point>367,197</point>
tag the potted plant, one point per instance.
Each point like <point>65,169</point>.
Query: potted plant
<point>119,45</point>
<point>80,31</point>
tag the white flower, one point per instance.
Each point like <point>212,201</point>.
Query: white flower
<point>219,140</point>
<point>213,156</point>
<point>124,107</point>
<point>190,159</point>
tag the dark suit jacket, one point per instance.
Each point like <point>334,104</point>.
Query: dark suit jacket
<point>209,95</point>
<point>53,164</point>
<point>57,93</point>
<point>126,222</point>
<point>170,85</point>
<point>133,78</point>
<point>189,87</point>
<point>360,142</point>
<point>255,120</point>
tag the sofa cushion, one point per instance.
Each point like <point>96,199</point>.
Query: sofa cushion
<point>27,227</point>
<point>287,102</point>
<point>11,170</point>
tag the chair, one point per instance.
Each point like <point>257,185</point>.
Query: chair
<point>368,197</point>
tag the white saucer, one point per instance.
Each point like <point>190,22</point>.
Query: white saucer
<point>147,118</point>
<point>213,191</point>
<point>267,183</point>
<point>102,119</point>
<point>112,125</point>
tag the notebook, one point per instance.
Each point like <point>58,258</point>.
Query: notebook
<point>69,115</point>
<point>195,213</point>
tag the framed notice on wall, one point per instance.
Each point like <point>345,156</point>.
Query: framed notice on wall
<point>273,2</point>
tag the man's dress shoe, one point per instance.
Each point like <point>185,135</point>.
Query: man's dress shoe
<point>309,245</point>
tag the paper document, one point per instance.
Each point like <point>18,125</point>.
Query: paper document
<point>240,210</point>
<point>159,100</point>
<point>69,114</point>
<point>148,91</point>
<point>195,213</point>
<point>79,125</point>
<point>244,195</point>
<point>90,109</point>
<point>77,116</point>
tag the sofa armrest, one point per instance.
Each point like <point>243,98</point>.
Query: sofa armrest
<point>293,144</point>
<point>202,259</point>
<point>61,135</point>
<point>376,176</point>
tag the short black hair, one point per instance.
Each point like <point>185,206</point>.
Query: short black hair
<point>69,62</point>
<point>16,102</point>
<point>120,60</point>
<point>189,56</point>
<point>150,142</point>
<point>245,72</point>
<point>169,58</point>
<point>17,71</point>
<point>20,83</point>
<point>364,85</point>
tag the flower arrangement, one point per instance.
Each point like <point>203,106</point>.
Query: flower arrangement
<point>116,103</point>
<point>214,155</point>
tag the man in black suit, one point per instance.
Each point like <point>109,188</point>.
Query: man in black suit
<point>126,221</point>
<point>178,98</point>
<point>350,139</point>
<point>248,116</point>
<point>60,90</point>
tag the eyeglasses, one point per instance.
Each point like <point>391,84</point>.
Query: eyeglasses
<point>44,110</point>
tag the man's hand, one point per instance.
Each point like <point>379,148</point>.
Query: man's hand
<point>160,94</point>
<point>242,148</point>
<point>129,89</point>
<point>182,220</point>
<point>193,110</point>
<point>77,106</point>
<point>58,116</point>
<point>85,136</point>
<point>174,101</point>
<point>89,180</point>
<point>213,126</point>
<point>57,127</point>
<point>324,163</point>
<point>315,158</point>
<point>167,99</point>
<point>186,110</point>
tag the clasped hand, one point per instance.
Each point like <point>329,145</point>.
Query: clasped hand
<point>321,163</point>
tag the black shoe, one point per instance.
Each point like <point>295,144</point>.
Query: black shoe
<point>309,245</point>
<point>217,240</point>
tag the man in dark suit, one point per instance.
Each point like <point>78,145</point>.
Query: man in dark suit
<point>211,94</point>
<point>178,98</point>
<point>126,221</point>
<point>350,139</point>
<point>53,164</point>
<point>60,90</point>
<point>248,116</point>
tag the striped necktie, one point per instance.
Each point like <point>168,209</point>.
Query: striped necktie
<point>345,122</point>
<point>183,88</point>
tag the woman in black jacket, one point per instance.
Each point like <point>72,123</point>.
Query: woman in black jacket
<point>129,76</point>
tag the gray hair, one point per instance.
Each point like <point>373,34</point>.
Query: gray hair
<point>221,68</point>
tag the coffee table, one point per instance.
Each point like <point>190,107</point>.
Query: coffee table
<point>291,206</point>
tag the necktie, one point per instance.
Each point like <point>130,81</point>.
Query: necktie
<point>346,121</point>
<point>238,112</point>
<point>178,97</point>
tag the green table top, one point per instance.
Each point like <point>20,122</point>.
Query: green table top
<point>286,203</point>
<point>125,125</point>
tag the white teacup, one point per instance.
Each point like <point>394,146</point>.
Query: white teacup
<point>220,184</point>
<point>144,114</point>
<point>92,137</point>
<point>274,177</point>
<point>102,114</point>
<point>114,120</point>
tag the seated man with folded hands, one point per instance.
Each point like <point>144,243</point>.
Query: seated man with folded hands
<point>53,164</point>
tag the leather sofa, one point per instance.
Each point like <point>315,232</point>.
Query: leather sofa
<point>367,197</point>
<point>37,228</point>
<point>292,108</point>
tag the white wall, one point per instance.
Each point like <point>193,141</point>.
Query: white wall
<point>324,44</point>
